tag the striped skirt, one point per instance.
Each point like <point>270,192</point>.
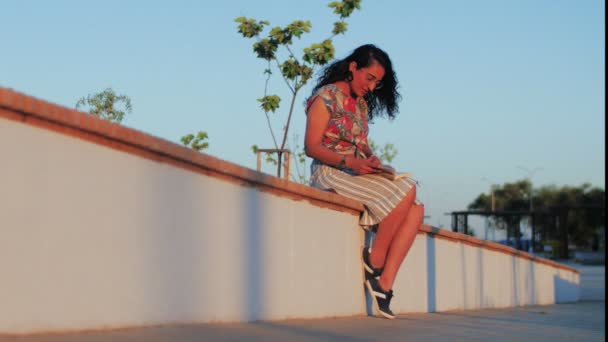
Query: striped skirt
<point>378,194</point>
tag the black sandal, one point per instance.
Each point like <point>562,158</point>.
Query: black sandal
<point>382,299</point>
<point>370,271</point>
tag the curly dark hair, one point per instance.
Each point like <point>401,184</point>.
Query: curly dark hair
<point>379,101</point>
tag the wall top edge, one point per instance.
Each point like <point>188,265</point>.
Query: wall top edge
<point>490,245</point>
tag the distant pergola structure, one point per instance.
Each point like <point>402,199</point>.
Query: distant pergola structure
<point>460,220</point>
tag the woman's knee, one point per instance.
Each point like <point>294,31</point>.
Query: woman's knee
<point>418,209</point>
<point>406,203</point>
<point>412,192</point>
<point>409,198</point>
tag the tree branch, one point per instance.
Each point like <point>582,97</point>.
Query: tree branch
<point>293,100</point>
<point>284,78</point>
<point>265,112</point>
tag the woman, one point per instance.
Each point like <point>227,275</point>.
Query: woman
<point>349,93</point>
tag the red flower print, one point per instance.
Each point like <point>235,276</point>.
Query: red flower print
<point>350,105</point>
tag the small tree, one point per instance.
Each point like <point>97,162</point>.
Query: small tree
<point>104,105</point>
<point>296,72</point>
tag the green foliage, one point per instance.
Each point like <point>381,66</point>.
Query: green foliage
<point>266,48</point>
<point>197,142</point>
<point>345,8</point>
<point>549,202</point>
<point>340,27</point>
<point>269,157</point>
<point>301,155</point>
<point>284,36</point>
<point>581,224</point>
<point>296,72</point>
<point>249,27</point>
<point>104,105</point>
<point>305,75</point>
<point>386,153</point>
<point>510,196</point>
<point>270,103</point>
<point>320,53</point>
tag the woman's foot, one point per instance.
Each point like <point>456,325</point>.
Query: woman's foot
<point>382,299</point>
<point>370,271</point>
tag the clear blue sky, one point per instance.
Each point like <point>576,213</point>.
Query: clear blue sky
<point>488,86</point>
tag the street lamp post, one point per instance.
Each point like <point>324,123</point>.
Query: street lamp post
<point>492,192</point>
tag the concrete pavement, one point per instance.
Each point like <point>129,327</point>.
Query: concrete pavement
<point>583,321</point>
<point>593,281</point>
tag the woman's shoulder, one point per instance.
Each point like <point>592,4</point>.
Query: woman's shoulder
<point>328,89</point>
<point>326,93</point>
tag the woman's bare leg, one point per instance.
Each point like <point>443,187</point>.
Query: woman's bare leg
<point>388,228</point>
<point>400,245</point>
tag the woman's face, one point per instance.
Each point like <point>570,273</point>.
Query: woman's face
<point>366,79</point>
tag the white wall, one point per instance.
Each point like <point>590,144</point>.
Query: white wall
<point>442,275</point>
<point>93,237</point>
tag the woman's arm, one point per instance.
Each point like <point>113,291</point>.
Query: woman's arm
<point>316,122</point>
<point>370,154</point>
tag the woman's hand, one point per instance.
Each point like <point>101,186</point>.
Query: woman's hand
<point>375,160</point>
<point>363,166</point>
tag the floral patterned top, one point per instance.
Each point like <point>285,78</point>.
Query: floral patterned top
<point>347,129</point>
